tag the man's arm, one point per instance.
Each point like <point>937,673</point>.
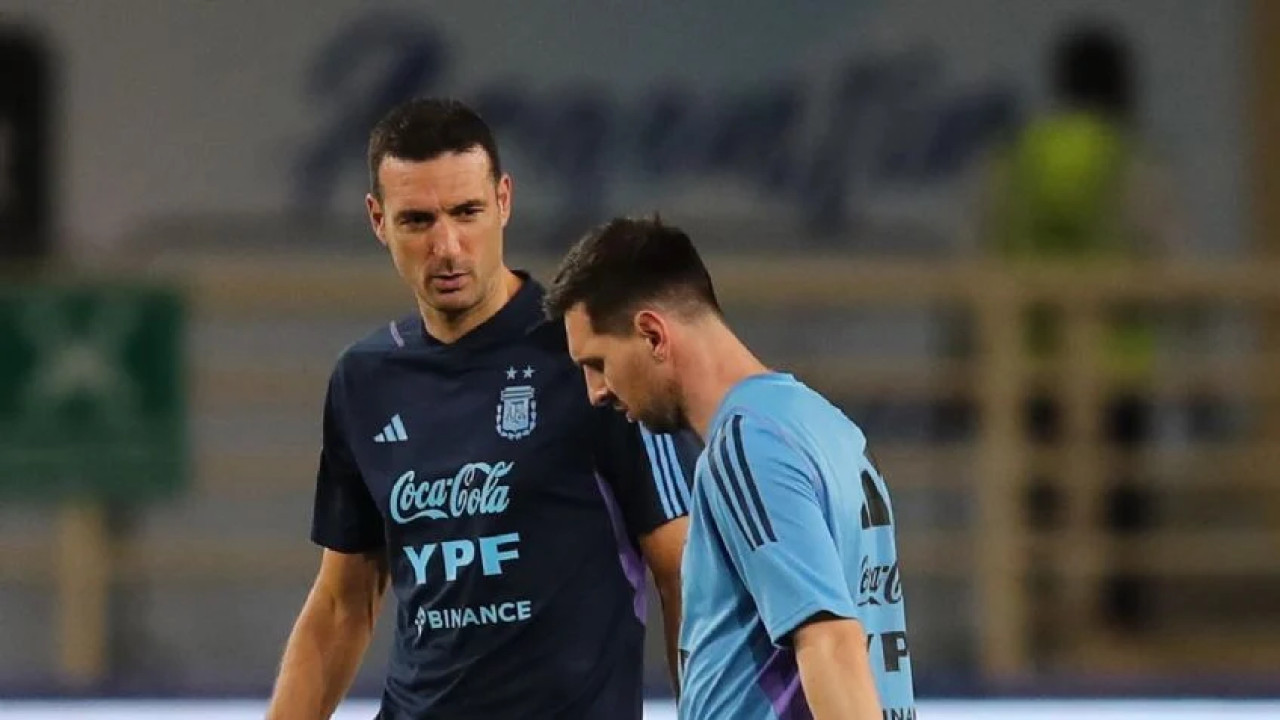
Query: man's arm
<point>330,637</point>
<point>649,475</point>
<point>835,669</point>
<point>662,550</point>
<point>335,626</point>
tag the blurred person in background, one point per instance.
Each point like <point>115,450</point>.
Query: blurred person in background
<point>1077,185</point>
<point>463,465</point>
<point>1077,182</point>
<point>793,601</point>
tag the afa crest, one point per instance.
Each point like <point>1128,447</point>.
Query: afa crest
<point>517,412</point>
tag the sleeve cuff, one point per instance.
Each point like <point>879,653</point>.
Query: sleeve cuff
<point>350,546</point>
<point>780,630</point>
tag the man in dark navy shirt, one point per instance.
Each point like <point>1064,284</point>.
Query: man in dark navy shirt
<point>464,466</point>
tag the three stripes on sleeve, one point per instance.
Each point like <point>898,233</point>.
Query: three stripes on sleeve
<point>668,475</point>
<point>727,463</point>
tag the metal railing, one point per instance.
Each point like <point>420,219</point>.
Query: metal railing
<point>999,550</point>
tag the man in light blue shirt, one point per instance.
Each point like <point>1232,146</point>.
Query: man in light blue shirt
<point>793,602</point>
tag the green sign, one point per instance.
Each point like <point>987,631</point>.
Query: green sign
<point>92,392</point>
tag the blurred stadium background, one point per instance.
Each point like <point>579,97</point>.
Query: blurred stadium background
<point>1092,517</point>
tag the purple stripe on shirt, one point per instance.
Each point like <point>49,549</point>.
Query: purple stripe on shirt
<point>395,335</point>
<point>632,566</point>
<point>780,681</point>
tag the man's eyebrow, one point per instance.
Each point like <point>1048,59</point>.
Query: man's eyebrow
<point>467,204</point>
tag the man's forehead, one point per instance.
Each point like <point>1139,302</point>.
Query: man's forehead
<point>448,178</point>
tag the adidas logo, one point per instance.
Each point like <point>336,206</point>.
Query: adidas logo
<point>393,432</point>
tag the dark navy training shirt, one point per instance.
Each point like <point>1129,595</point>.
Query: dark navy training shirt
<point>508,508</point>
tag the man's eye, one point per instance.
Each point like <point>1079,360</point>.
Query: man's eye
<point>416,220</point>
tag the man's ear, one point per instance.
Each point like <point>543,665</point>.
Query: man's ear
<point>653,328</point>
<point>377,217</point>
<point>503,195</point>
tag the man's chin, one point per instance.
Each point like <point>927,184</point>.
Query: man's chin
<point>660,426</point>
<point>449,303</point>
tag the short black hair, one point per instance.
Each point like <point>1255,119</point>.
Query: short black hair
<point>625,263</point>
<point>425,128</point>
<point>1093,67</point>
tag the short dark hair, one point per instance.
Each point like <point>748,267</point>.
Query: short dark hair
<point>425,128</point>
<point>1093,67</point>
<point>627,262</point>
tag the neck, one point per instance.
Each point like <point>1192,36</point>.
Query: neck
<point>449,327</point>
<point>719,361</point>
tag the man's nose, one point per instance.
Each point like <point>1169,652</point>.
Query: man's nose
<point>448,240</point>
<point>597,389</point>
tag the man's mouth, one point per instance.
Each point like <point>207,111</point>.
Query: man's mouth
<point>449,281</point>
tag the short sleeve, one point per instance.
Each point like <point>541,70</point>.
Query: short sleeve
<point>345,517</point>
<point>649,473</point>
<point>763,499</point>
